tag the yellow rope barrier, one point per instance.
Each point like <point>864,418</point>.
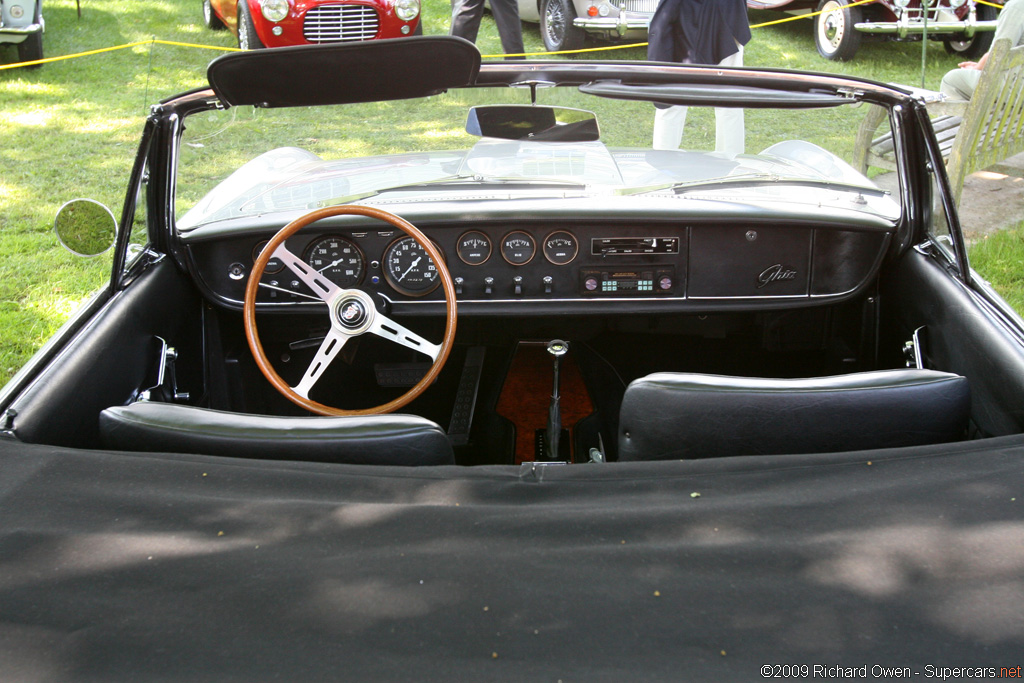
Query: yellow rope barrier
<point>605,48</point>
<point>89,53</point>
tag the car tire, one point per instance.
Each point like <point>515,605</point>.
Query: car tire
<point>248,39</point>
<point>973,48</point>
<point>556,28</point>
<point>210,18</point>
<point>834,34</point>
<point>31,49</point>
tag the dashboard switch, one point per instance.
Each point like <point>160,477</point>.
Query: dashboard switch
<point>548,283</point>
<point>517,284</point>
<point>488,285</point>
<point>459,282</point>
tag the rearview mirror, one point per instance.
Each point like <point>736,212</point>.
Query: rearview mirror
<point>533,122</point>
<point>85,227</point>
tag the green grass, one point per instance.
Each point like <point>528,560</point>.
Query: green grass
<point>998,257</point>
<point>69,129</point>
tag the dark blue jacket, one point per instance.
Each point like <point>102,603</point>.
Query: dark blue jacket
<point>697,31</point>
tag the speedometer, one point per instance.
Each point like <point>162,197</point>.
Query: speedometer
<point>409,269</point>
<point>337,259</point>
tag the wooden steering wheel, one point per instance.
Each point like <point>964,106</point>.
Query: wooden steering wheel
<point>352,313</point>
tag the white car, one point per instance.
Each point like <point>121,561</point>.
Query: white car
<point>565,23</point>
<point>21,23</point>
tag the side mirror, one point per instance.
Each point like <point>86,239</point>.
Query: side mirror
<point>85,227</point>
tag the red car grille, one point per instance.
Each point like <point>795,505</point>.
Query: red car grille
<point>340,23</point>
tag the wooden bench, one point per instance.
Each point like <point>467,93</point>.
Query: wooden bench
<point>973,135</point>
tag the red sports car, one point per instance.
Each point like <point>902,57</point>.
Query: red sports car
<point>276,23</point>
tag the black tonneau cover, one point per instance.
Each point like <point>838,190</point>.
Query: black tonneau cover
<point>122,567</point>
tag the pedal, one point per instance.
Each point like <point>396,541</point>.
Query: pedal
<point>465,397</point>
<point>399,374</point>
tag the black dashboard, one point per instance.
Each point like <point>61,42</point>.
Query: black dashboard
<point>564,266</point>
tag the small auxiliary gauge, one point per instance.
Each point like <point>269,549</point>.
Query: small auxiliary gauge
<point>274,265</point>
<point>408,268</point>
<point>474,248</point>
<point>561,247</point>
<point>518,247</point>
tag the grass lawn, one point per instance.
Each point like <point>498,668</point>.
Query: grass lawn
<point>69,128</point>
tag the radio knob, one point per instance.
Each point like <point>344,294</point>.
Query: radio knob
<point>665,283</point>
<point>590,283</point>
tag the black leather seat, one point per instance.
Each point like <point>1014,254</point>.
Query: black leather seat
<point>681,416</point>
<point>376,439</point>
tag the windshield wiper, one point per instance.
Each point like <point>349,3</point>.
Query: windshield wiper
<point>757,180</point>
<point>459,180</point>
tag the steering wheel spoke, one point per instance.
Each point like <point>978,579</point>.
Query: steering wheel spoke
<point>384,327</point>
<point>320,285</point>
<point>329,349</point>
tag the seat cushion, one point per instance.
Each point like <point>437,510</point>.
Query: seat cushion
<point>681,416</point>
<point>377,439</point>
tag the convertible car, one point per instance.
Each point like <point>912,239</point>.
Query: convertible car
<point>435,369</point>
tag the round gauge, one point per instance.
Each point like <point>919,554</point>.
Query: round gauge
<point>337,259</point>
<point>518,248</point>
<point>274,265</point>
<point>474,248</point>
<point>561,247</point>
<point>409,269</point>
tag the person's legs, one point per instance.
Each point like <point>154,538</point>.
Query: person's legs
<point>729,128</point>
<point>466,15</point>
<point>668,127</point>
<point>960,83</point>
<point>506,16</point>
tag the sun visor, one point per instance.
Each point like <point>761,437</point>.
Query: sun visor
<point>343,73</point>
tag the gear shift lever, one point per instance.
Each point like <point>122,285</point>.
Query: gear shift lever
<point>557,348</point>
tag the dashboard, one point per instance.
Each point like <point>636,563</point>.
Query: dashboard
<point>545,266</point>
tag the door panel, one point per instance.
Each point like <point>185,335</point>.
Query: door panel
<point>110,358</point>
<point>962,337</point>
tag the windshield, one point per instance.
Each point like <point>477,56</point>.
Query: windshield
<point>245,162</point>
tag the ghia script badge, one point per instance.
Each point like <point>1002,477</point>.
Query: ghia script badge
<point>776,273</point>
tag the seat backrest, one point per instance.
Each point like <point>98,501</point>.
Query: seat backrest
<point>376,440</point>
<point>681,416</point>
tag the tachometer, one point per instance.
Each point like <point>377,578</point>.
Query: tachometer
<point>337,259</point>
<point>409,269</point>
<point>518,247</point>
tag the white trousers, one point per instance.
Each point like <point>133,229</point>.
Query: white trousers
<point>729,131</point>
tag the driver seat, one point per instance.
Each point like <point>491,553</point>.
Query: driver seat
<point>392,439</point>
